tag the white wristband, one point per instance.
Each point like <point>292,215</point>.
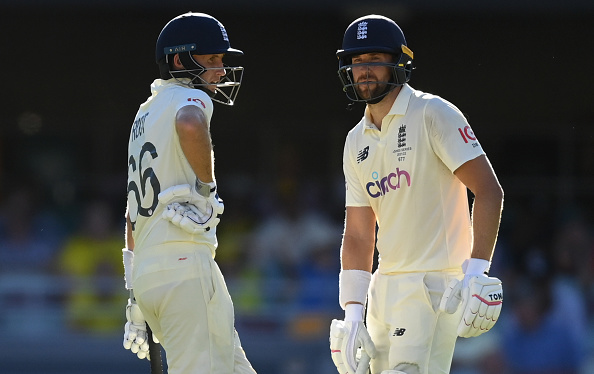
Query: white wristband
<point>353,286</point>
<point>128,266</point>
<point>353,312</point>
<point>477,266</point>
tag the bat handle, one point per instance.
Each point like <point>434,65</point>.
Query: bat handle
<point>155,353</point>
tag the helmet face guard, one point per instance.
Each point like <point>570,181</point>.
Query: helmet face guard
<point>374,34</point>
<point>400,74</point>
<point>198,34</point>
<point>225,91</point>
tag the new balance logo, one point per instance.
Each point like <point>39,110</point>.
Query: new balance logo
<point>363,154</point>
<point>398,332</point>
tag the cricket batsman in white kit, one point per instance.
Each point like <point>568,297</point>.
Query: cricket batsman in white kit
<point>173,207</point>
<point>408,164</point>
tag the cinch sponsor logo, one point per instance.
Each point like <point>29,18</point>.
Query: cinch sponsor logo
<point>467,134</point>
<point>382,186</point>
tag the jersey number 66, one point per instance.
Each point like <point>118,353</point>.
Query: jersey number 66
<point>138,175</point>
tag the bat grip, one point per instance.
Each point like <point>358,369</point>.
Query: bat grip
<point>155,353</point>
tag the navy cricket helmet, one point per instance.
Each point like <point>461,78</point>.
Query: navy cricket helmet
<point>374,33</point>
<point>198,34</point>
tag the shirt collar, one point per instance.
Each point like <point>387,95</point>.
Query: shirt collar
<point>401,103</point>
<point>159,84</point>
<point>367,123</point>
<point>398,108</point>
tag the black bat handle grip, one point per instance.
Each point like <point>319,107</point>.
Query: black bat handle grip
<point>154,352</point>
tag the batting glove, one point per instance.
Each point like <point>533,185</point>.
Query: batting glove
<point>135,335</point>
<point>351,346</point>
<point>194,210</point>
<point>481,298</point>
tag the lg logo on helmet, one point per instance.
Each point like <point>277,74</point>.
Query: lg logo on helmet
<point>468,135</point>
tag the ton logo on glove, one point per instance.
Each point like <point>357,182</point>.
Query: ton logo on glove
<point>481,298</point>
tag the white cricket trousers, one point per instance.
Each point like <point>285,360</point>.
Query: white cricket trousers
<point>188,307</point>
<point>404,322</point>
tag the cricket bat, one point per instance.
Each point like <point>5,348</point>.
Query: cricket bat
<point>154,352</point>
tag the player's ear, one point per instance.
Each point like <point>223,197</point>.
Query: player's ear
<point>177,64</point>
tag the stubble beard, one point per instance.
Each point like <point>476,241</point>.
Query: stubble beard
<point>368,90</point>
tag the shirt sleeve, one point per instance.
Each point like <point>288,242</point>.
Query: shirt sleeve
<point>199,98</point>
<point>355,193</point>
<point>452,139</point>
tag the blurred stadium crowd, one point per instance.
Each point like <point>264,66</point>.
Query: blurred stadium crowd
<point>61,273</point>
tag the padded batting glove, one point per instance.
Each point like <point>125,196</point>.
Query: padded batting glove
<point>135,335</point>
<point>194,210</point>
<point>481,297</point>
<point>351,346</point>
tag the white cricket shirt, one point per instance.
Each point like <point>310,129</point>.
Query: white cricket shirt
<point>156,162</point>
<point>405,174</point>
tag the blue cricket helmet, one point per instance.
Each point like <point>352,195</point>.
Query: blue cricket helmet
<point>198,34</point>
<point>374,33</point>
